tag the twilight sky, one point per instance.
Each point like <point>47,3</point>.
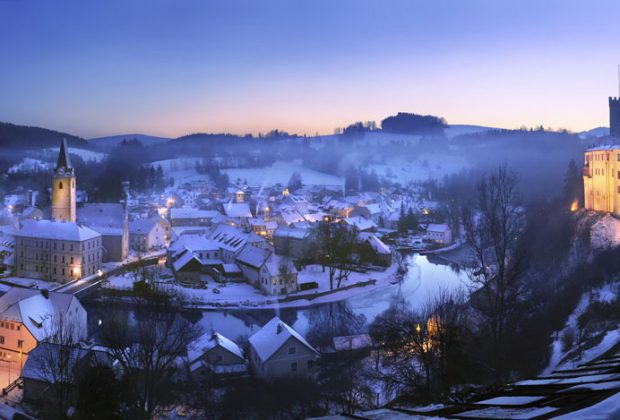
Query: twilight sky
<point>172,67</point>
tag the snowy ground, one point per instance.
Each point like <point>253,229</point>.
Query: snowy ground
<point>245,295</point>
<point>425,166</point>
<point>28,283</point>
<point>280,173</point>
<point>558,360</point>
<point>183,170</point>
<point>86,155</point>
<point>29,165</point>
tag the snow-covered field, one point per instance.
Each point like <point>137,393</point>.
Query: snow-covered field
<point>280,173</point>
<point>426,166</point>
<point>86,155</point>
<point>29,165</point>
<point>183,170</point>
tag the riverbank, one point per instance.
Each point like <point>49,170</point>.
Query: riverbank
<point>246,296</point>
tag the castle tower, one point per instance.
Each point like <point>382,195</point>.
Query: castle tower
<point>614,117</point>
<point>63,187</point>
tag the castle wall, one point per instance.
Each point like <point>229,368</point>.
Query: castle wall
<point>601,180</point>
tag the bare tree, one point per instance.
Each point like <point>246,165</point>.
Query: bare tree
<point>422,350</point>
<point>57,361</point>
<point>336,250</point>
<point>493,228</point>
<point>149,349</point>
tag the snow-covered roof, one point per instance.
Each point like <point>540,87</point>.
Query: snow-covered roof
<point>376,244</point>
<point>269,339</point>
<point>50,229</point>
<point>442,228</point>
<point>253,256</point>
<point>228,237</point>
<point>274,262</point>
<point>314,217</point>
<point>373,208</point>
<point>185,258</point>
<point>209,341</point>
<point>142,226</point>
<point>291,217</point>
<point>289,232</point>
<point>34,310</point>
<point>360,223</point>
<point>236,210</point>
<point>192,213</point>
<point>105,218</point>
<point>196,243</point>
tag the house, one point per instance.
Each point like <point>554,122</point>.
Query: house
<point>380,253</point>
<point>231,240</point>
<point>439,233</point>
<point>187,268</point>
<point>239,212</point>
<point>369,211</point>
<point>109,220</point>
<point>56,251</point>
<point>29,317</point>
<point>362,224</point>
<point>214,353</point>
<point>38,375</point>
<point>278,276</point>
<point>147,234</point>
<point>290,241</point>
<point>250,260</point>
<point>277,350</point>
<point>262,227</point>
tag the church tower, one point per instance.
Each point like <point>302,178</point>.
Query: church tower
<point>63,187</point>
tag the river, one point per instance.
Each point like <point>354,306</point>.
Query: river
<point>422,280</point>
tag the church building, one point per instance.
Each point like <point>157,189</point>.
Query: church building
<point>59,249</point>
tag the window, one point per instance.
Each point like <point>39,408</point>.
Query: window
<point>310,364</point>
<point>60,185</point>
<point>20,344</point>
<point>1,339</point>
<point>219,357</point>
<point>294,367</point>
<point>291,350</point>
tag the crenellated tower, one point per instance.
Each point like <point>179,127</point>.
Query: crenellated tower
<point>63,187</point>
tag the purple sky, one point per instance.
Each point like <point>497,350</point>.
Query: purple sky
<point>173,67</point>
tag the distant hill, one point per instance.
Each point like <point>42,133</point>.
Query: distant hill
<point>24,137</point>
<point>460,129</point>
<point>595,132</point>
<point>109,142</point>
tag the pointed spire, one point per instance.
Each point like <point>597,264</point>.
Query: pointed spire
<point>63,157</point>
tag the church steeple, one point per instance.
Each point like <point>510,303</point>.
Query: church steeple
<point>63,187</point>
<point>63,163</point>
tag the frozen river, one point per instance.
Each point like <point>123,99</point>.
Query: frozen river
<point>423,280</point>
